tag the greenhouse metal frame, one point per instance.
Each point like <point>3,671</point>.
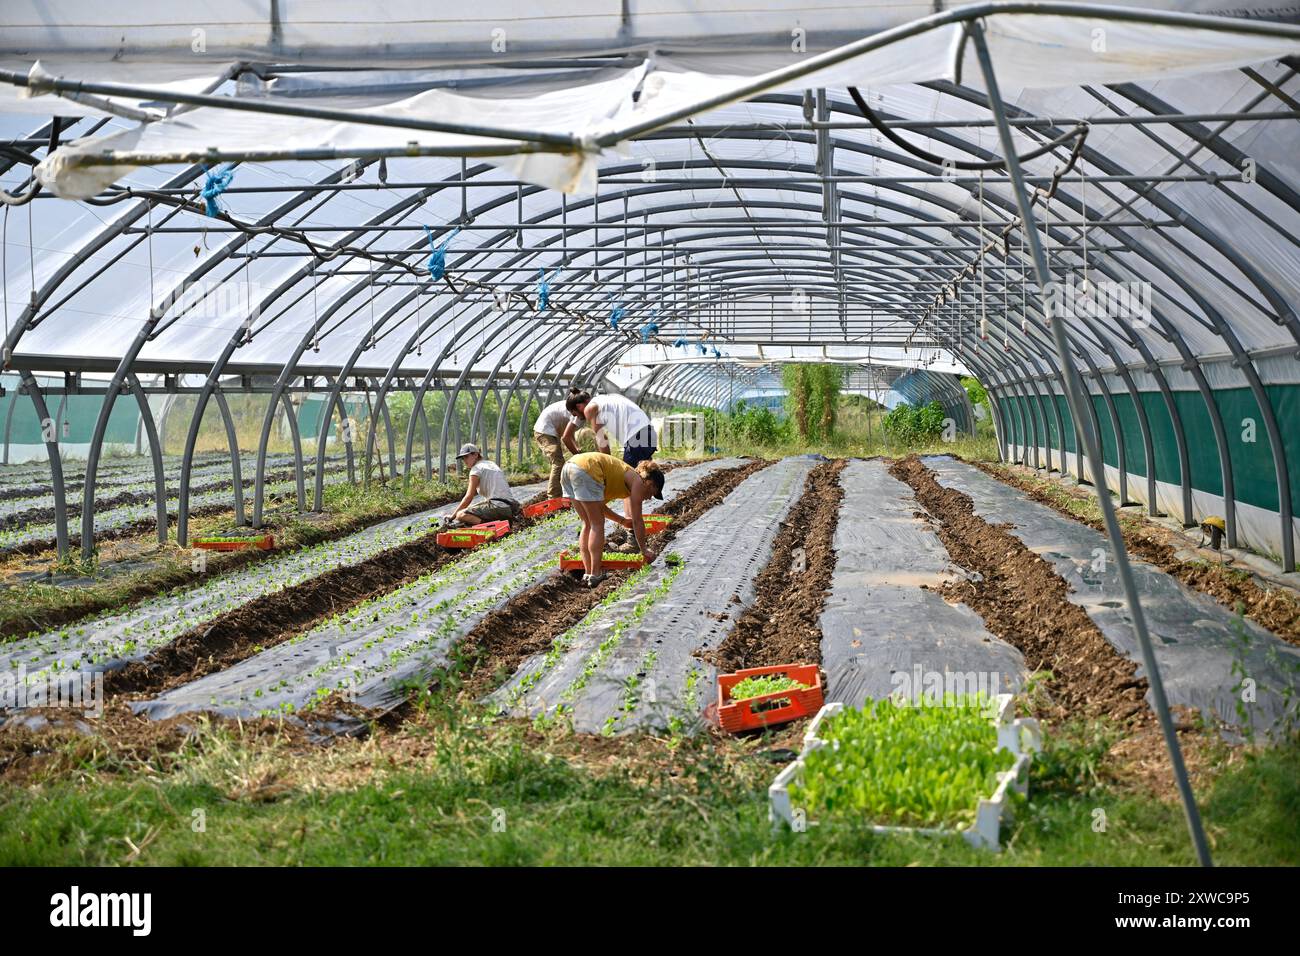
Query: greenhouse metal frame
<point>634,248</point>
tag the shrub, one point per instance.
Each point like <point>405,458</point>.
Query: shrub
<point>911,424</point>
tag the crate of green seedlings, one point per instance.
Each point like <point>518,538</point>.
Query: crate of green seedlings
<point>610,560</point>
<point>761,697</point>
<point>928,767</point>
<point>235,539</point>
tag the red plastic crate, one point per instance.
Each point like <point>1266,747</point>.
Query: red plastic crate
<point>572,561</point>
<point>656,523</point>
<point>263,542</point>
<point>473,537</point>
<point>755,713</point>
<point>546,507</point>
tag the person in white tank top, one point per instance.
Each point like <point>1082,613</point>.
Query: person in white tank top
<point>615,420</point>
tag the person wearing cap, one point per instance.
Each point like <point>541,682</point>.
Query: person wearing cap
<point>551,433</point>
<point>487,493</point>
<point>614,419</point>
<point>593,479</point>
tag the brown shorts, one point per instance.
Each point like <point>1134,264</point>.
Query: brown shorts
<point>491,511</point>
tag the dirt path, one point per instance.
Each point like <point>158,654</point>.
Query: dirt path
<point>530,623</point>
<point>1023,601</point>
<point>782,626</point>
<point>1274,609</point>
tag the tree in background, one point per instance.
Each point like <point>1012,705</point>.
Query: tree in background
<point>975,391</point>
<point>813,397</point>
<point>795,380</point>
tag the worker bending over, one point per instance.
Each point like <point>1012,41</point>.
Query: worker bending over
<point>614,419</point>
<point>593,479</point>
<point>552,434</point>
<point>487,493</point>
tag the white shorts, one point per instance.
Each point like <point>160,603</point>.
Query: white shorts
<point>580,486</point>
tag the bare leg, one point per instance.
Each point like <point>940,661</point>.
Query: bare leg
<point>593,533</point>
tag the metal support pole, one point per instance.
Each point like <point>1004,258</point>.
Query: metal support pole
<point>236,464</point>
<point>50,428</point>
<point>155,452</point>
<point>9,424</point>
<point>1073,396</point>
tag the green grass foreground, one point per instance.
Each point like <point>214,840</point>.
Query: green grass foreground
<point>466,793</point>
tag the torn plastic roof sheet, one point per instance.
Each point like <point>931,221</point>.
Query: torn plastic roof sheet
<point>1199,644</point>
<point>880,622</point>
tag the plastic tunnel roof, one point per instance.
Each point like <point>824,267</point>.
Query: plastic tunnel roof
<point>694,183</point>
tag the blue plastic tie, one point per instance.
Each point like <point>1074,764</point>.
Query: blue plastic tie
<point>438,253</point>
<point>681,344</point>
<point>647,330</point>
<point>215,184</point>
<point>616,316</point>
<point>716,353</point>
<point>702,348</point>
<point>543,291</point>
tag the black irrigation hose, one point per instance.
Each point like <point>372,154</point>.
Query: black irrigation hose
<point>1080,131</point>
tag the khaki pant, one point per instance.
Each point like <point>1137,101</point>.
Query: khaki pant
<point>495,510</point>
<point>554,451</point>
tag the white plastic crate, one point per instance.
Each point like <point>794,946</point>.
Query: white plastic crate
<point>1021,736</point>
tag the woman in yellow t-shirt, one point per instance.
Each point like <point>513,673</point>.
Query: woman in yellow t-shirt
<point>592,479</point>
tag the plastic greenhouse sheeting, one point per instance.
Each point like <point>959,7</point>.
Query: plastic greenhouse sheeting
<point>138,483</point>
<point>1203,649</point>
<point>370,652</point>
<point>1255,487</point>
<point>1033,51</point>
<point>882,622</point>
<point>624,668</point>
<point>1201,208</point>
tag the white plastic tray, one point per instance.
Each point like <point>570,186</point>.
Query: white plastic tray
<point>1021,736</point>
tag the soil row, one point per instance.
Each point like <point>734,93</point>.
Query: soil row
<point>1273,609</point>
<point>531,621</point>
<point>1023,601</point>
<point>783,625</point>
<point>277,617</point>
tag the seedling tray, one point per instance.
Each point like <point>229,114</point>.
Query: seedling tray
<point>769,710</point>
<point>1021,736</point>
<point>263,542</point>
<point>549,506</point>
<point>656,523</point>
<point>473,537</point>
<point>572,561</point>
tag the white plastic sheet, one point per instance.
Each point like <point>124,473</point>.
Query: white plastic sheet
<point>1028,50</point>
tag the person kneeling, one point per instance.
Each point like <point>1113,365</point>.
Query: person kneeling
<point>487,493</point>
